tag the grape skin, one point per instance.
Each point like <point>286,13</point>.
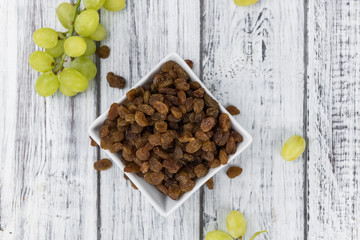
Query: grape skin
<point>218,235</point>
<point>293,148</point>
<point>114,5</point>
<point>45,37</point>
<point>47,84</point>
<point>85,66</point>
<point>73,80</point>
<point>99,34</point>
<point>93,4</point>
<point>41,61</point>
<point>87,22</point>
<point>90,47</point>
<point>64,13</point>
<point>56,51</point>
<point>236,224</point>
<point>75,46</point>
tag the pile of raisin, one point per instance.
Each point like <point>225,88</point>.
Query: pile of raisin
<point>170,132</point>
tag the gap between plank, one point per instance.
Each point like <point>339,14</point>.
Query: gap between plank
<point>305,117</point>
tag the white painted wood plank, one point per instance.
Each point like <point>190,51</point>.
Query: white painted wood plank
<point>52,190</point>
<point>139,37</point>
<point>253,59</point>
<point>334,191</point>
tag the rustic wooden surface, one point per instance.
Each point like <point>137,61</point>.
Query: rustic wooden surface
<point>292,67</point>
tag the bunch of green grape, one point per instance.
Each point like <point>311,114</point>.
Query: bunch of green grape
<point>64,64</point>
<point>236,225</point>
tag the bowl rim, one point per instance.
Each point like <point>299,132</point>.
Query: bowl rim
<point>166,210</point>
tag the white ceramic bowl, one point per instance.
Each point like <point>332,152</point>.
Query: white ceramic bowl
<point>163,204</point>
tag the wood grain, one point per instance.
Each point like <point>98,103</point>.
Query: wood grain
<point>253,58</point>
<point>333,105</point>
<point>139,37</point>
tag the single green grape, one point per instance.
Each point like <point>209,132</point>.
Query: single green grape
<point>257,233</point>
<point>245,2</point>
<point>56,51</point>
<point>87,22</point>
<point>90,47</point>
<point>293,148</point>
<point>41,61</point>
<point>45,37</point>
<point>93,4</point>
<point>85,66</point>
<point>75,46</point>
<point>47,84</point>
<point>99,34</point>
<point>218,235</point>
<point>64,13</point>
<point>66,92</point>
<point>236,224</point>
<point>72,80</point>
<point>114,5</point>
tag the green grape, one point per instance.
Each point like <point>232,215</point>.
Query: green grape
<point>99,34</point>
<point>47,84</point>
<point>64,13</point>
<point>114,5</point>
<point>293,148</point>
<point>72,80</point>
<point>56,51</point>
<point>236,224</point>
<point>85,66</point>
<point>41,61</point>
<point>45,37</point>
<point>218,235</point>
<point>245,2</point>
<point>93,4</point>
<point>87,22</point>
<point>90,47</point>
<point>75,46</point>
<point>66,92</point>
<point>257,233</point>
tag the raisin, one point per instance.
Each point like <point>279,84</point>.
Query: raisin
<point>104,131</point>
<point>198,105</point>
<point>173,125</point>
<point>210,183</point>
<point>193,146</point>
<point>103,51</point>
<point>162,154</point>
<point>174,191</point>
<point>186,137</point>
<point>189,103</point>
<point>156,97</point>
<point>202,136</point>
<point>199,116</point>
<point>160,107</point>
<point>189,127</point>
<point>208,146</point>
<point>113,113</point>
<point>133,185</point>
<point>220,138</point>
<point>182,176</point>
<point>126,177</point>
<point>166,138</point>
<point>158,78</point>
<point>178,153</point>
<point>230,146</point>
<point>223,157</point>
<point>92,142</point>
<point>146,96</point>
<point>136,128</point>
<point>207,156</point>
<point>200,170</point>
<point>207,124</point>
<point>189,63</point>
<point>182,108</point>
<point>224,122</point>
<point>181,73</point>
<point>234,171</point>
<point>116,147</point>
<point>212,112</point>
<point>187,186</point>
<point>105,143</point>
<point>172,118</point>
<point>102,164</point>
<point>115,81</point>
<point>141,119</point>
<point>237,137</point>
<point>147,109</point>
<point>117,136</point>
<point>173,74</point>
<point>182,96</point>
<point>130,118</point>
<point>122,111</point>
<point>143,154</point>
<point>176,112</point>
<point>130,95</point>
<point>154,178</point>
<point>199,93</point>
<point>210,102</point>
<point>155,139</point>
<point>171,165</point>
<point>233,110</point>
<point>165,83</point>
<point>181,84</point>
<point>158,116</point>
<point>214,164</point>
<point>174,100</point>
<point>132,168</point>
<point>188,157</point>
<point>144,168</point>
<point>167,90</point>
<point>155,165</point>
<point>162,189</point>
<point>166,67</point>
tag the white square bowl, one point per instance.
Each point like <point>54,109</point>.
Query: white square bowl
<point>163,204</point>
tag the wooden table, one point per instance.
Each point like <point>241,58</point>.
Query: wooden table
<point>291,67</point>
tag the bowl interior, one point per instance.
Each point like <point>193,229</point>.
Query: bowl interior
<point>163,204</point>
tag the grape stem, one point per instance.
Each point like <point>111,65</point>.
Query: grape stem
<point>71,32</point>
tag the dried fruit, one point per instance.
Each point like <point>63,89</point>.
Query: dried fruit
<point>133,185</point>
<point>234,171</point>
<point>171,165</point>
<point>155,165</point>
<point>193,146</point>
<point>210,183</point>
<point>154,178</point>
<point>223,157</point>
<point>115,81</point>
<point>103,51</point>
<point>132,168</point>
<point>200,170</point>
<point>141,119</point>
<point>230,146</point>
<point>102,164</point>
<point>189,63</point>
<point>113,113</point>
<point>224,122</point>
<point>92,142</point>
<point>233,110</point>
<point>160,107</point>
<point>143,154</point>
<point>147,109</point>
<point>174,191</point>
<point>207,124</point>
